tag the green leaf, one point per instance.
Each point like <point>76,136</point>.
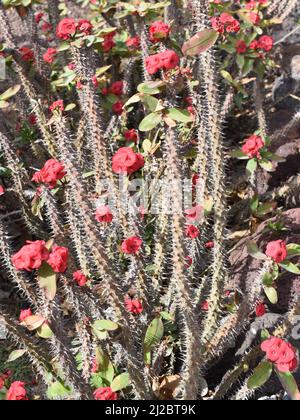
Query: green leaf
<point>47,280</point>
<point>147,145</point>
<point>14,355</point>
<point>251,166</point>
<point>10,92</point>
<point>106,368</point>
<point>134,99</point>
<point>266,165</point>
<point>293,250</point>
<point>238,154</point>
<point>57,391</point>
<point>44,331</point>
<point>154,334</point>
<point>179,115</point>
<point>150,102</point>
<point>260,375</point>
<point>271,294</point>
<point>290,267</point>
<point>227,76</point>
<point>4,104</point>
<point>150,88</point>
<point>105,325</point>
<point>289,384</point>
<point>200,42</point>
<point>120,382</point>
<point>70,107</point>
<point>150,121</point>
<point>255,252</point>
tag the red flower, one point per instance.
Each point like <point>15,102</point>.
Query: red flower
<point>126,161</point>
<point>103,214</point>
<point>51,172</point>
<point>209,245</point>
<point>265,43</point>
<point>1,383</point>
<point>25,313</point>
<point>158,31</point>
<point>192,231</point>
<point>85,26</point>
<point>134,306</point>
<point>108,42</point>
<point>117,88</point>
<point>2,190</point>
<point>49,55</point>
<point>58,259</point>
<point>281,353</point>
<point>169,59</point>
<point>131,135</point>
<point>254,18</point>
<point>46,27</point>
<point>31,256</point>
<point>254,45</point>
<point>253,146</point>
<point>205,306</point>
<point>153,63</point>
<point>225,22</point>
<point>189,261</point>
<point>241,47</point>
<point>16,392</point>
<point>95,81</point>
<point>38,17</point>
<point>133,43</point>
<point>105,394</point>
<point>32,120</point>
<point>277,251</point>
<point>260,309</point>
<point>131,245</point>
<point>80,278</point>
<point>118,107</point>
<point>194,214</point>
<point>27,54</point>
<point>66,28</point>
<point>57,106</point>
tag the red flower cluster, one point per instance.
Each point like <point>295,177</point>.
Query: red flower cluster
<point>25,313</point>
<point>225,23</point>
<point>27,54</point>
<point>16,392</point>
<point>159,31</point>
<point>264,43</point>
<point>131,135</point>
<point>31,256</point>
<point>49,55</point>
<point>116,88</point>
<point>68,28</point>
<point>103,214</point>
<point>105,394</point>
<point>192,231</point>
<point>51,172</point>
<point>133,43</point>
<point>134,306</point>
<point>277,251</point>
<point>126,161</point>
<point>58,259</point>
<point>281,353</point>
<point>131,245</point>
<point>108,42</point>
<point>253,146</point>
<point>80,278</point>
<point>166,60</point>
<point>2,190</point>
<point>57,106</point>
<point>260,309</point>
